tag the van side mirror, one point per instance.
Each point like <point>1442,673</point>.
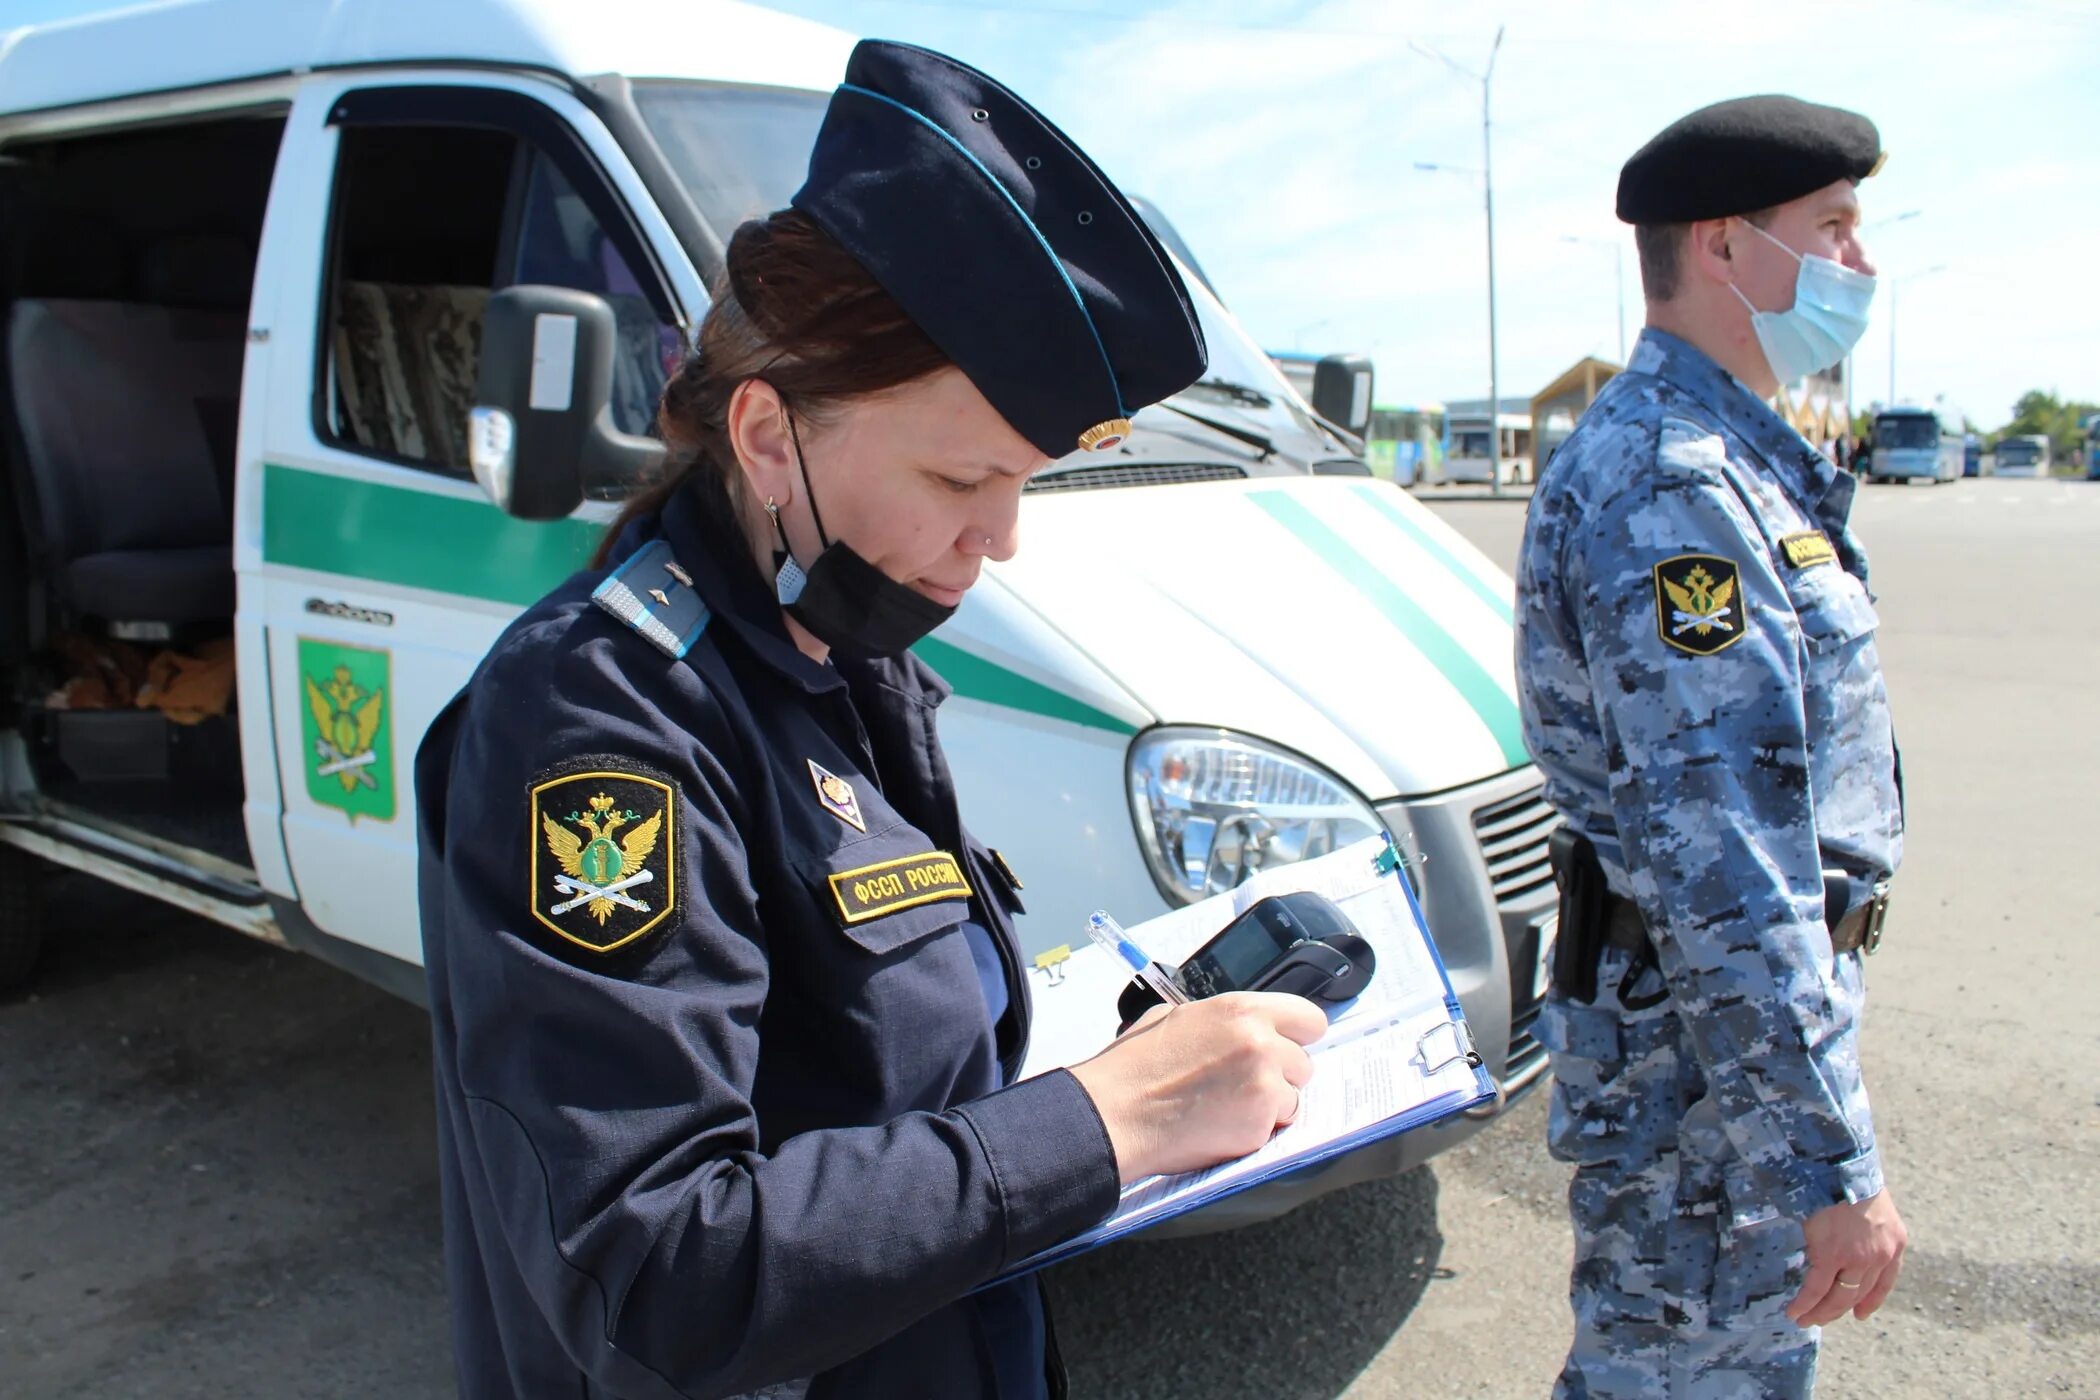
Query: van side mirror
<point>1342,391</point>
<point>541,424</point>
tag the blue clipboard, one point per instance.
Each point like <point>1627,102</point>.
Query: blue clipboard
<point>1438,1048</point>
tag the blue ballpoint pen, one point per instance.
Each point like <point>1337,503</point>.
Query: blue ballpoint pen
<point>1109,934</point>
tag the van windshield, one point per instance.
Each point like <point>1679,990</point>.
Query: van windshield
<point>1241,376</point>
<point>741,153</point>
<point>2015,453</point>
<point>1906,430</point>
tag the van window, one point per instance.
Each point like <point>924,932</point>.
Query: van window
<point>427,221</point>
<point>560,243</point>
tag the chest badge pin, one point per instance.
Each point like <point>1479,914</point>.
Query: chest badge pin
<point>836,794</point>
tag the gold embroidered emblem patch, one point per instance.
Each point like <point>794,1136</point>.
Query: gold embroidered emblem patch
<point>888,886</point>
<point>1808,547</point>
<point>1696,605</point>
<point>603,860</point>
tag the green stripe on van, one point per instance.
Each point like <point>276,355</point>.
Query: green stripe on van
<point>1487,697</point>
<point>417,539</point>
<point>975,678</point>
<point>1378,498</point>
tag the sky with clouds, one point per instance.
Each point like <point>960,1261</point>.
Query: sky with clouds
<point>1281,137</point>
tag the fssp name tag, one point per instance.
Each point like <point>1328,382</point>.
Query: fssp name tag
<point>1808,547</point>
<point>904,883</point>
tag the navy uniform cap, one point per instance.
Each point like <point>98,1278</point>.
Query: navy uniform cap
<point>1004,243</point>
<point>1743,155</point>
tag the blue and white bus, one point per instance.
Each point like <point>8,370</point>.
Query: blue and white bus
<point>2025,455</point>
<point>1916,442</point>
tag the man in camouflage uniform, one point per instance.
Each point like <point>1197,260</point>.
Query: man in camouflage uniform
<point>1699,681</point>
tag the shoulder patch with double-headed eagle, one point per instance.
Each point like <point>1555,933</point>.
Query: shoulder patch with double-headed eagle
<point>1698,603</point>
<point>604,853</point>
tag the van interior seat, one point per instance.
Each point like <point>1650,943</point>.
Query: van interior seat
<point>406,358</point>
<point>127,414</point>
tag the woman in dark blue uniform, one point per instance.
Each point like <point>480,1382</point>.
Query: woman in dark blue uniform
<point>727,1001</point>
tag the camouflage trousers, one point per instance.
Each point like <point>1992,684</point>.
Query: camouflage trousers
<point>1682,1269</point>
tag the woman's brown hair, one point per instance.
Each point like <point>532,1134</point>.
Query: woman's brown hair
<point>797,311</point>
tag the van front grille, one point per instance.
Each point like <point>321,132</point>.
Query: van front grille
<point>1513,836</point>
<point>1100,478</point>
<point>1524,1048</point>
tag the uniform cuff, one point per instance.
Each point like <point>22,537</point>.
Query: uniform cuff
<point>1820,1185</point>
<point>1050,1156</point>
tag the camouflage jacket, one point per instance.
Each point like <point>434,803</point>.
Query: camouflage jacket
<point>1699,682</point>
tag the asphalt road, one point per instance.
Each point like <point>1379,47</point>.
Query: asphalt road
<point>216,1178</point>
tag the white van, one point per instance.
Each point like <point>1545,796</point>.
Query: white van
<point>249,248</point>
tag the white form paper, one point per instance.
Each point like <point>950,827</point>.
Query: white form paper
<point>1393,1050</point>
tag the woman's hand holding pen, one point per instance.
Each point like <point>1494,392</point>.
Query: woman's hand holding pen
<point>1190,1086</point>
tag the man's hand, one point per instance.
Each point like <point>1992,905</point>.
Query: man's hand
<point>1854,1255</point>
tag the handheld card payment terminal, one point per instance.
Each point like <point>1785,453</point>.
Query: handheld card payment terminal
<point>1299,943</point>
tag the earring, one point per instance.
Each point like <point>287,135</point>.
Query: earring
<point>788,578</point>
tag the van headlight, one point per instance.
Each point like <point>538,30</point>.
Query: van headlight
<point>1213,807</point>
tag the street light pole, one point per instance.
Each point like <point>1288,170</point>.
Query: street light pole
<point>1903,217</point>
<point>1487,180</point>
<point>1487,173</point>
<point>1892,345</point>
<point>1618,254</point>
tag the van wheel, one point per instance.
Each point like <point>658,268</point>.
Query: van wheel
<point>21,915</point>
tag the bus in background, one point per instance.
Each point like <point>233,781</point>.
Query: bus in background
<point>2025,455</point>
<point>1336,387</point>
<point>2092,448</point>
<point>1548,434</point>
<point>1916,442</point>
<point>1466,443</point>
<point>1297,368</point>
<point>1406,441</point>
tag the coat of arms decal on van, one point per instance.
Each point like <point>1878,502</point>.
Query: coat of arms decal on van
<point>347,737</point>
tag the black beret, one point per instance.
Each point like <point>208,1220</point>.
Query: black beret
<point>1004,243</point>
<point>1743,155</point>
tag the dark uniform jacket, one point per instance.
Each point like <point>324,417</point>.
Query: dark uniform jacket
<point>722,1109</point>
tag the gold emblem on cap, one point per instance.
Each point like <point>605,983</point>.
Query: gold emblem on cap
<point>1103,436</point>
<point>1879,161</point>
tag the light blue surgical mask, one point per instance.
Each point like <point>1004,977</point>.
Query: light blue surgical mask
<point>1828,316</point>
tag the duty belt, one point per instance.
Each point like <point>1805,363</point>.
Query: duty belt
<point>1858,928</point>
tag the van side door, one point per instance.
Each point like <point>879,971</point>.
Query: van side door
<point>379,570</point>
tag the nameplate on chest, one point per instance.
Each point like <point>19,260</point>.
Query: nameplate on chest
<point>1808,547</point>
<point>905,883</point>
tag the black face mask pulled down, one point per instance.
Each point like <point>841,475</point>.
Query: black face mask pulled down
<point>847,603</point>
